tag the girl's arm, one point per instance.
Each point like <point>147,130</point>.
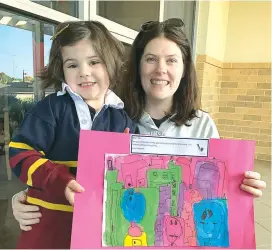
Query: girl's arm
<point>29,148</point>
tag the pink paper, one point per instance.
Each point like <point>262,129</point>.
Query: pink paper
<point>88,211</point>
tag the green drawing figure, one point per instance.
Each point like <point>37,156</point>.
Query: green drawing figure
<point>175,183</point>
<point>113,196</point>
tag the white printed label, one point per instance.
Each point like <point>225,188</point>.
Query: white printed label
<point>168,146</point>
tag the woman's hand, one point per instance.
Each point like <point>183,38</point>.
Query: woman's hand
<point>26,215</point>
<point>253,184</point>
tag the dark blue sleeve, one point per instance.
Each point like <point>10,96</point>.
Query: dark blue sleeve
<point>133,128</point>
<point>137,131</point>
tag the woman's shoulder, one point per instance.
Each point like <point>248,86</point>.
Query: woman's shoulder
<point>205,124</point>
<point>202,116</point>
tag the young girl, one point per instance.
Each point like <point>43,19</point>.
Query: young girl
<point>160,92</point>
<point>85,60</point>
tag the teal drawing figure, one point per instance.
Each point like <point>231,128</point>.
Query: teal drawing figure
<point>133,205</point>
<point>211,220</point>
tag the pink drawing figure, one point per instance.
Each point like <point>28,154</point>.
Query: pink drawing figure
<point>173,231</point>
<point>191,197</point>
<point>118,160</point>
<point>141,179</point>
<point>128,173</point>
<point>185,163</point>
<point>159,161</point>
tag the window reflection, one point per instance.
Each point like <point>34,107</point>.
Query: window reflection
<point>23,54</point>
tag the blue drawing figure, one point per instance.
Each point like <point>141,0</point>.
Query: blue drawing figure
<point>133,205</point>
<point>211,222</point>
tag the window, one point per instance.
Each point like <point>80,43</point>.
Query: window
<point>129,13</point>
<point>23,53</point>
<point>68,7</point>
<point>184,10</point>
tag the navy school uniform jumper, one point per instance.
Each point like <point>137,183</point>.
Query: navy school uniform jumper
<point>43,155</point>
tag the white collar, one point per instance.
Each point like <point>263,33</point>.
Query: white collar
<point>111,99</point>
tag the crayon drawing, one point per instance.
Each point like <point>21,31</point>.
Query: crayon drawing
<point>152,200</point>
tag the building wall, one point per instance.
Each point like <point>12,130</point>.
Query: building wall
<point>209,75</point>
<point>246,113</point>
<point>238,97</point>
<point>249,32</point>
<point>235,76</point>
<point>217,27</point>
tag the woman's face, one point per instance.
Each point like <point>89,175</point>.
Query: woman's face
<point>161,69</point>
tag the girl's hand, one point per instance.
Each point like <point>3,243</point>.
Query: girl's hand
<point>70,190</point>
<point>253,184</point>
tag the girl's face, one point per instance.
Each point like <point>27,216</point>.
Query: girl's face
<point>85,72</point>
<point>161,69</point>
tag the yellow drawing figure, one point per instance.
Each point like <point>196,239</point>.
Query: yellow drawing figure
<point>130,241</point>
<point>135,236</point>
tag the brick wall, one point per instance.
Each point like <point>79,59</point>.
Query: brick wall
<point>209,75</point>
<point>238,97</point>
